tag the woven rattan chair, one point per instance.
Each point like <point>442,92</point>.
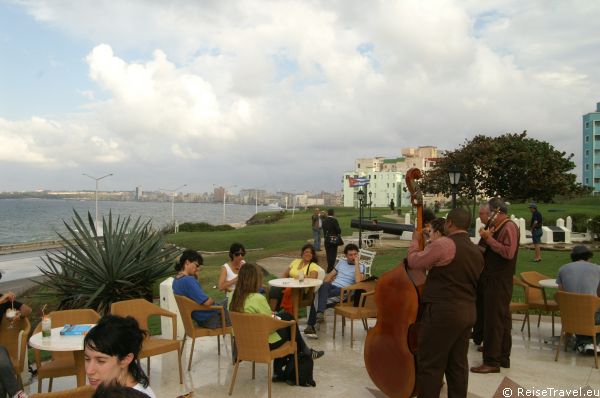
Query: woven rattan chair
<point>536,295</point>
<point>79,392</point>
<point>251,337</point>
<point>186,307</point>
<point>141,310</point>
<point>346,309</point>
<point>62,363</point>
<point>15,342</point>
<point>517,306</point>
<point>577,316</point>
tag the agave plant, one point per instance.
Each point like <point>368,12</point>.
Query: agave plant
<point>94,271</point>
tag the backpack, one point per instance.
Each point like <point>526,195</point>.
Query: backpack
<point>305,371</point>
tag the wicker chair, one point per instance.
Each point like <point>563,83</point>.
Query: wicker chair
<point>536,295</point>
<point>186,307</point>
<point>516,306</point>
<point>15,342</point>
<point>62,363</point>
<point>577,316</point>
<point>141,310</point>
<point>79,392</point>
<point>346,309</point>
<point>251,337</point>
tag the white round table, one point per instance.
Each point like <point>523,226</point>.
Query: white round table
<point>550,283</point>
<point>57,342</point>
<point>297,287</point>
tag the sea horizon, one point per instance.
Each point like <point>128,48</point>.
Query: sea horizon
<point>27,220</point>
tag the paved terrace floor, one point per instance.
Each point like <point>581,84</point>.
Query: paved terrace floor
<point>341,372</point>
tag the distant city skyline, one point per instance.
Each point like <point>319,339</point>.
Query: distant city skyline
<point>279,95</point>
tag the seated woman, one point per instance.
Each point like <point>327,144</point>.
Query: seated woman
<point>8,379</point>
<point>230,269</point>
<point>306,265</point>
<point>246,299</point>
<point>111,354</point>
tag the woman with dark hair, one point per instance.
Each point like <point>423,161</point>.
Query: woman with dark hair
<point>230,269</point>
<point>246,299</point>
<point>306,265</point>
<point>111,350</point>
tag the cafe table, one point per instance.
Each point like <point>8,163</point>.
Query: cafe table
<point>297,287</point>
<point>549,283</point>
<point>58,342</point>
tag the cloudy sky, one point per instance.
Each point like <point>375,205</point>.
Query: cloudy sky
<point>281,95</point>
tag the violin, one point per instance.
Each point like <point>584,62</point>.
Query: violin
<point>390,345</point>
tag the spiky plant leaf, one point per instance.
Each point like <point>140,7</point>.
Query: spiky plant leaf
<point>93,272</point>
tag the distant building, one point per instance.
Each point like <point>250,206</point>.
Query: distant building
<point>387,176</point>
<point>591,150</point>
<point>218,194</point>
<point>138,193</point>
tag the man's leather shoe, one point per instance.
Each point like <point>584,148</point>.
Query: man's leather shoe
<point>480,348</point>
<point>483,368</point>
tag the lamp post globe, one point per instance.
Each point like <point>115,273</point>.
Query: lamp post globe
<point>454,176</point>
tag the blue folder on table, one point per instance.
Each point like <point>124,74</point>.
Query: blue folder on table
<point>75,330</point>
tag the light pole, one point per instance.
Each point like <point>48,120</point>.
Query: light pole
<point>361,198</point>
<point>173,192</point>
<point>370,204</point>
<point>225,199</point>
<point>454,175</point>
<point>97,179</point>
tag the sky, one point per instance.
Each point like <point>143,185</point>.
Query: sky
<point>278,95</point>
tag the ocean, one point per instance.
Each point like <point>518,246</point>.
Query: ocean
<point>34,220</point>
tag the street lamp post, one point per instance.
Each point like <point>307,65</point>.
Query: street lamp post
<point>173,192</point>
<point>225,201</point>
<point>370,204</point>
<point>454,175</point>
<point>361,198</point>
<point>97,179</point>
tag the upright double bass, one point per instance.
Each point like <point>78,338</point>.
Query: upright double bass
<point>390,344</point>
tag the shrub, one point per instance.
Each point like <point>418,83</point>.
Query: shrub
<point>580,222</point>
<point>93,272</point>
<point>265,218</point>
<point>203,227</point>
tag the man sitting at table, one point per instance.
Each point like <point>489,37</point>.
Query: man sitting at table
<point>186,284</point>
<point>345,273</point>
<point>581,276</point>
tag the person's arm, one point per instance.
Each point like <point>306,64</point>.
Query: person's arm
<point>223,283</point>
<point>507,243</point>
<point>312,271</point>
<point>8,296</point>
<point>338,230</point>
<point>438,253</point>
<point>359,271</point>
<point>330,276</point>
<point>195,292</point>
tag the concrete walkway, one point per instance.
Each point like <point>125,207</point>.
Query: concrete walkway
<point>341,372</point>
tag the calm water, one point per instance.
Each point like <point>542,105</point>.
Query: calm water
<point>32,220</point>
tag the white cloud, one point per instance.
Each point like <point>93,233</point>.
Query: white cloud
<point>296,90</point>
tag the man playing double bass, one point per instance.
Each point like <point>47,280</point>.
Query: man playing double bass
<point>501,241</point>
<point>448,300</point>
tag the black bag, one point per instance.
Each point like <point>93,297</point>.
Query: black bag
<point>334,240</point>
<point>305,371</point>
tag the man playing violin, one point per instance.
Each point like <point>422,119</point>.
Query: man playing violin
<point>448,300</point>
<point>501,244</point>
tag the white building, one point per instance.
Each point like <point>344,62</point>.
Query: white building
<point>387,176</point>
